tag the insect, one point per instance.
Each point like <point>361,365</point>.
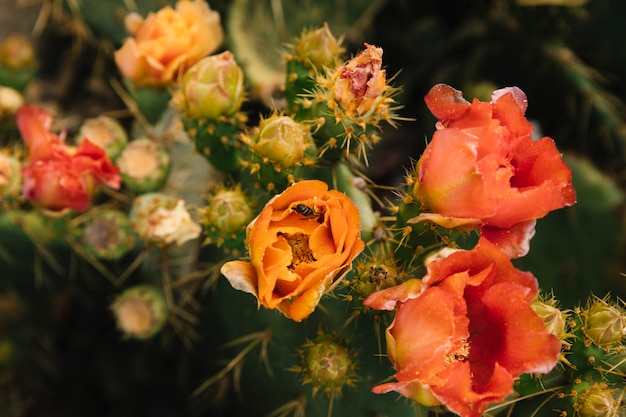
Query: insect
<point>309,212</point>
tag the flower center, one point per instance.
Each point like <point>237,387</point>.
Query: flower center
<point>300,250</point>
<point>459,355</point>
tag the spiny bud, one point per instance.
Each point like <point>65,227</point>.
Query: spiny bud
<point>106,234</point>
<point>213,87</point>
<point>10,101</point>
<point>604,324</point>
<point>282,142</point>
<point>318,47</point>
<point>144,165</point>
<point>594,400</point>
<point>105,132</point>
<point>554,319</point>
<point>18,63</point>
<point>226,216</point>
<point>328,364</point>
<point>10,176</point>
<point>373,275</point>
<point>140,311</point>
<point>162,219</point>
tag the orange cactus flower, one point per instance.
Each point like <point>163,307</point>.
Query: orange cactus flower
<point>300,245</point>
<point>483,168</point>
<point>465,332</point>
<point>168,42</point>
<point>58,176</point>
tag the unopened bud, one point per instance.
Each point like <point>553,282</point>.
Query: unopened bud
<point>229,211</point>
<point>282,142</point>
<point>374,275</point>
<point>318,47</point>
<point>604,324</point>
<point>594,400</point>
<point>18,64</point>
<point>554,319</point>
<point>213,87</point>
<point>105,132</point>
<point>10,176</point>
<point>328,364</point>
<point>140,311</point>
<point>144,165</point>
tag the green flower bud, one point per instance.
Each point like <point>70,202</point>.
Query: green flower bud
<point>140,311</point>
<point>144,165</point>
<point>10,176</point>
<point>107,234</point>
<point>105,132</point>
<point>10,101</point>
<point>9,352</point>
<point>373,275</point>
<point>327,364</point>
<point>605,324</point>
<point>213,87</point>
<point>282,142</point>
<point>319,47</point>
<point>594,400</point>
<point>18,63</point>
<point>554,319</point>
<point>229,211</point>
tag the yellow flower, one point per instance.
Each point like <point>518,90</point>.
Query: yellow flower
<point>167,42</point>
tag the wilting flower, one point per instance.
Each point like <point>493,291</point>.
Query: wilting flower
<point>360,82</point>
<point>213,87</point>
<point>463,334</point>
<point>175,225</point>
<point>300,245</point>
<point>482,168</point>
<point>58,176</point>
<point>168,42</point>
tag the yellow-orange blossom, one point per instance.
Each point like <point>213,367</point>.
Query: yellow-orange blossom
<point>300,245</point>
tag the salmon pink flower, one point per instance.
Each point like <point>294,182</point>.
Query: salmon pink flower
<point>300,246</point>
<point>465,332</point>
<point>166,43</point>
<point>483,168</point>
<point>58,176</point>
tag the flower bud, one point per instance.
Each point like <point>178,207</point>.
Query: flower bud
<point>107,234</point>
<point>228,212</point>
<point>327,364</point>
<point>282,142</point>
<point>144,165</point>
<point>594,400</point>
<point>604,324</point>
<point>162,219</point>
<point>10,101</point>
<point>140,311</point>
<point>213,87</point>
<point>554,319</point>
<point>105,132</point>
<point>374,275</point>
<point>18,63</point>
<point>10,176</point>
<point>318,47</point>
<point>9,352</point>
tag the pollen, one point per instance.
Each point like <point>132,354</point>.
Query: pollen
<point>300,250</point>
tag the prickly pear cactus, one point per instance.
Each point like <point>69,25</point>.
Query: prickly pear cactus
<point>220,247</point>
